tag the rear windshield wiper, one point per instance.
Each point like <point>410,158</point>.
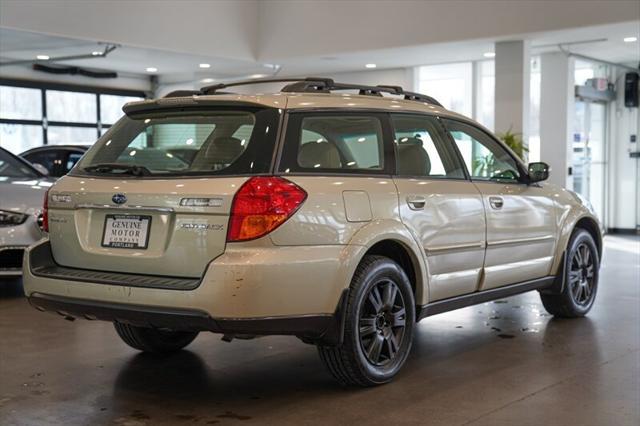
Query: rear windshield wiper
<point>128,169</point>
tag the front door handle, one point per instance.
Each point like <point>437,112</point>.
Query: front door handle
<point>416,202</point>
<point>496,202</point>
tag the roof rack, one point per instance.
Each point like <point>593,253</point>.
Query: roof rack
<point>312,85</point>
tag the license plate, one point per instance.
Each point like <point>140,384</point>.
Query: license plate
<point>126,231</point>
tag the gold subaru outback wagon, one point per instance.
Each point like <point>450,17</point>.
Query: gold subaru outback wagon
<point>340,214</point>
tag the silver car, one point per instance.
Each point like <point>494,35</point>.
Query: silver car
<point>22,189</point>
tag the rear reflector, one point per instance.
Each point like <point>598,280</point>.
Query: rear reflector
<point>261,205</point>
<point>43,220</point>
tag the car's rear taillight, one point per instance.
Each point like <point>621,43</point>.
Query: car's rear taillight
<point>261,205</point>
<point>43,220</point>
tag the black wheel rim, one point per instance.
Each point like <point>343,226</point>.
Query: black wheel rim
<point>582,275</point>
<point>382,323</point>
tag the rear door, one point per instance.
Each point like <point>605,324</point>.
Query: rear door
<point>131,205</point>
<point>439,205</point>
<point>521,230</point>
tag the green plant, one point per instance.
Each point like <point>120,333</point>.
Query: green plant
<point>515,142</point>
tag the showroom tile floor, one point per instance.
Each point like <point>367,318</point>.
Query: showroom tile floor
<point>500,363</point>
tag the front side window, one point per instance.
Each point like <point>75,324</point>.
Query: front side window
<point>334,143</point>
<point>484,158</point>
<point>218,142</point>
<point>421,149</point>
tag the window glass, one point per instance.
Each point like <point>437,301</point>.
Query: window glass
<point>18,138</point>
<point>450,84</point>
<point>111,107</point>
<point>20,103</point>
<point>71,106</point>
<point>340,142</point>
<point>484,158</point>
<point>485,93</point>
<point>72,159</point>
<point>59,135</point>
<point>49,159</point>
<point>171,144</point>
<point>12,167</point>
<point>420,150</point>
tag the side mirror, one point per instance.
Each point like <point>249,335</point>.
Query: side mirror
<point>538,172</point>
<point>42,169</point>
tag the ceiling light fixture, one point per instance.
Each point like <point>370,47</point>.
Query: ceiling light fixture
<point>257,76</point>
<point>489,54</point>
<point>42,57</point>
<point>152,69</point>
<point>207,80</point>
<point>370,66</point>
<point>630,39</point>
<point>96,53</point>
<point>205,65</point>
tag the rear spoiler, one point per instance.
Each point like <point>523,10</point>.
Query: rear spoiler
<point>179,103</point>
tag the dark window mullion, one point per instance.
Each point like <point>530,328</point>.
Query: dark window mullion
<point>45,123</point>
<point>71,124</point>
<point>99,123</point>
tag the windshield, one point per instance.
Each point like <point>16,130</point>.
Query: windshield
<point>14,168</point>
<point>218,142</point>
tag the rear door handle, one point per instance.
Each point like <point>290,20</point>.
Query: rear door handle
<point>416,202</point>
<point>496,202</point>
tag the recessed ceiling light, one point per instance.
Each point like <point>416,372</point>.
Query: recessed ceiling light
<point>207,80</point>
<point>257,76</point>
<point>205,65</point>
<point>42,57</point>
<point>630,39</point>
<point>96,53</point>
<point>489,54</point>
<point>152,69</point>
<point>370,66</point>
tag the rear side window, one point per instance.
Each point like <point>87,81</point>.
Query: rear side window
<point>422,150</point>
<point>224,142</point>
<point>333,143</point>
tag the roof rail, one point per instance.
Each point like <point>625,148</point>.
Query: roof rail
<point>312,85</point>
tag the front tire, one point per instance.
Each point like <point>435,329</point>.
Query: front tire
<point>580,280</point>
<point>152,339</point>
<point>379,324</point>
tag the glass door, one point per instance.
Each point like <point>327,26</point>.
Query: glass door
<point>589,153</point>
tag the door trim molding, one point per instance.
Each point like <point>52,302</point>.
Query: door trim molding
<point>454,247</point>
<point>475,298</point>
<point>519,241</point>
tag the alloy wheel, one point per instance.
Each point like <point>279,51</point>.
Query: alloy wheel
<point>582,275</point>
<point>382,323</point>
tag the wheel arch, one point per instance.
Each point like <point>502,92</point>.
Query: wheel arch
<point>393,240</point>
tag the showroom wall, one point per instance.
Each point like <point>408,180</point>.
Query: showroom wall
<point>624,171</point>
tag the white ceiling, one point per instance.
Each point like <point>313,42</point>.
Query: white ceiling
<point>604,42</point>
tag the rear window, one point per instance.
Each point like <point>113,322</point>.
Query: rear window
<point>220,142</point>
<point>331,143</point>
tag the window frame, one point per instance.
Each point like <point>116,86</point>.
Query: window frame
<point>98,125</point>
<point>524,175</point>
<point>287,156</point>
<point>443,135</point>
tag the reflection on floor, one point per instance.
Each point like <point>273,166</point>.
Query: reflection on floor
<point>501,363</point>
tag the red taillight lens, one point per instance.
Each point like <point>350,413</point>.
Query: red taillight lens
<point>43,220</point>
<point>261,205</point>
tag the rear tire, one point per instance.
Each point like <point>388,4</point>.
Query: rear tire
<point>153,339</point>
<point>580,280</point>
<point>379,323</point>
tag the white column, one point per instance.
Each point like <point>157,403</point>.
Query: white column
<point>556,115</point>
<point>513,64</point>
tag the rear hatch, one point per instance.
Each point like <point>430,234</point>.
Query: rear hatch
<point>153,195</point>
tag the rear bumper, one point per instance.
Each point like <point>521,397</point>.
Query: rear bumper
<point>247,290</point>
<point>317,328</point>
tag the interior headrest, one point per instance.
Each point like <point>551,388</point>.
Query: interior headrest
<point>219,153</point>
<point>413,160</point>
<point>323,153</point>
